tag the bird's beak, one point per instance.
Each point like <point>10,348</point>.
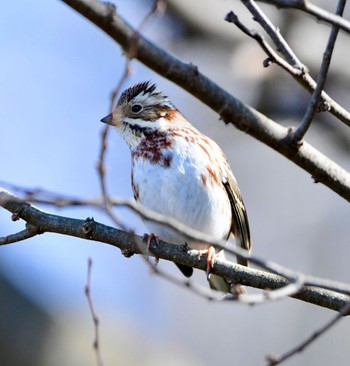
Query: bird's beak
<point>113,119</point>
<point>108,119</point>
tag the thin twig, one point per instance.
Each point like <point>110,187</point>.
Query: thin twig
<point>94,316</point>
<point>312,9</point>
<point>204,292</point>
<point>54,199</point>
<point>231,17</point>
<point>299,72</point>
<point>173,224</point>
<point>157,8</point>
<point>298,134</point>
<point>281,45</point>
<point>289,289</point>
<point>51,198</point>
<point>277,360</point>
<point>333,296</point>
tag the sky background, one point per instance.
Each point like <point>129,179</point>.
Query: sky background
<point>57,72</point>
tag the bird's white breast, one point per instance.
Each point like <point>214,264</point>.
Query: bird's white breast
<point>189,189</point>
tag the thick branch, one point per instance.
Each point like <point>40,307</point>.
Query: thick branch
<point>230,108</point>
<point>25,234</point>
<point>130,244</point>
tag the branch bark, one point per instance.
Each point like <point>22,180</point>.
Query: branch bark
<point>312,9</point>
<point>131,244</point>
<point>230,109</point>
<point>290,63</point>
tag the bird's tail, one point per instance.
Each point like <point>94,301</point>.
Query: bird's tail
<point>220,284</point>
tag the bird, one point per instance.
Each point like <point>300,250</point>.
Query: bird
<point>180,173</point>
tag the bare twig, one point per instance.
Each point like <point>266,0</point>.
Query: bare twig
<point>313,106</point>
<point>131,53</point>
<point>274,33</point>
<point>313,10</point>
<point>189,233</point>
<point>289,289</point>
<point>130,244</point>
<point>298,72</point>
<point>158,7</point>
<point>231,17</point>
<point>56,200</point>
<point>204,292</point>
<point>94,316</point>
<point>230,108</point>
<point>277,360</point>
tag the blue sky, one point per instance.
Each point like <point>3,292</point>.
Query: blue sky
<point>57,71</point>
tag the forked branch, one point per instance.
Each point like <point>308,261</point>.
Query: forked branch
<point>230,109</point>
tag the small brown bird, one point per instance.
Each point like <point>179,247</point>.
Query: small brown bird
<point>180,173</point>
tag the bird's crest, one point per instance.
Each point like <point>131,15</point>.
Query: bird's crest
<point>141,89</point>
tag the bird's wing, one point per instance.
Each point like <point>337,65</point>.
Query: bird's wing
<point>239,225</point>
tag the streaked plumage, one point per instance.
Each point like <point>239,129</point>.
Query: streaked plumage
<point>179,172</point>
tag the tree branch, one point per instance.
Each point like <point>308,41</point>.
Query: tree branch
<point>27,233</point>
<point>53,199</point>
<point>277,360</point>
<point>231,17</point>
<point>131,244</point>
<point>312,9</point>
<point>281,45</point>
<point>230,108</point>
<point>95,319</point>
<point>296,69</point>
<point>314,104</point>
<point>158,7</point>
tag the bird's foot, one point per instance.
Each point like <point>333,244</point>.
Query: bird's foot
<point>148,238</point>
<point>237,289</point>
<point>210,253</point>
<point>185,247</point>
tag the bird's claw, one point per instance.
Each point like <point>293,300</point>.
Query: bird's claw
<point>148,238</point>
<point>210,253</point>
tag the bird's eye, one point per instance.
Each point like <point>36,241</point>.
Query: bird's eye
<point>136,108</point>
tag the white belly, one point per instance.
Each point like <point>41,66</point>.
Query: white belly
<point>179,191</point>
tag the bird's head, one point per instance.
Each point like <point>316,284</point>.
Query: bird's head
<point>141,107</point>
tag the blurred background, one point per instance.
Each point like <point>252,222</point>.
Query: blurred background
<point>56,73</point>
